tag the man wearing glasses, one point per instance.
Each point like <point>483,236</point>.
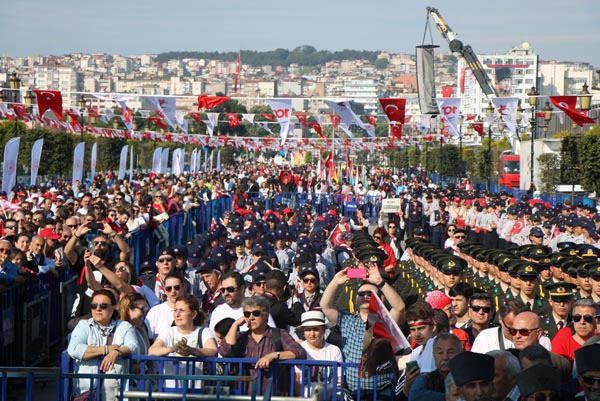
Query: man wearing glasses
<point>232,290</point>
<point>160,317</point>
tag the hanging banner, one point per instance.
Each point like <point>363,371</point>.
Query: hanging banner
<point>568,104</point>
<point>282,108</point>
<point>218,167</point>
<point>181,160</point>
<point>156,160</point>
<point>9,168</point>
<point>131,163</point>
<point>93,158</point>
<point>166,106</point>
<point>36,154</point>
<point>122,163</point>
<point>175,162</point>
<point>193,161</point>
<point>205,159</point>
<point>507,107</point>
<point>78,162</point>
<point>164,162</point>
<point>450,111</point>
<point>426,79</point>
<point>211,123</point>
<point>347,117</point>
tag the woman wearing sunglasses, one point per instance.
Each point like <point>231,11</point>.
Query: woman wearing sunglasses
<point>102,336</point>
<point>569,340</point>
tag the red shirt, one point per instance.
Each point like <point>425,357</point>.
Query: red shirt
<point>564,344</point>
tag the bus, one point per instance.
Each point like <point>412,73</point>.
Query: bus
<point>509,170</point>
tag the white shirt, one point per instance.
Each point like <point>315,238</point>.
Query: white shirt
<point>159,319</point>
<point>329,352</point>
<point>487,340</point>
<point>224,311</point>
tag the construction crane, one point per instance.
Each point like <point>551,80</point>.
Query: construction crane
<point>456,46</point>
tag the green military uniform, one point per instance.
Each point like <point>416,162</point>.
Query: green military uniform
<point>562,292</point>
<point>537,305</point>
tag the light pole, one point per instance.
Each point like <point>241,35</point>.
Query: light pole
<point>489,111</point>
<point>585,98</point>
<point>533,101</point>
<point>81,104</point>
<point>14,83</point>
<point>460,140</point>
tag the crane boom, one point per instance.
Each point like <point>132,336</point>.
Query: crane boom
<point>456,46</point>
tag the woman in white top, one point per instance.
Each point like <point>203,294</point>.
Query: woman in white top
<point>313,329</point>
<point>188,338</point>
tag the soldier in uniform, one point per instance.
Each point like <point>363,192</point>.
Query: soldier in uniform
<point>451,269</point>
<point>584,283</point>
<point>561,304</point>
<point>594,269</point>
<point>528,274</point>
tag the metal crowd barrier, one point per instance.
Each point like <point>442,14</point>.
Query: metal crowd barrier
<point>200,378</point>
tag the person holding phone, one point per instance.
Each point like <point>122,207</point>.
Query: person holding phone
<point>353,326</point>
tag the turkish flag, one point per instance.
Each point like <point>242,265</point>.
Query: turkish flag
<point>234,120</point>
<point>196,116</point>
<point>210,102</point>
<point>372,120</point>
<point>568,104</point>
<point>447,91</point>
<point>49,100</point>
<point>478,127</point>
<point>396,130</point>
<point>158,121</point>
<point>20,110</point>
<point>302,118</point>
<point>267,116</point>
<point>335,120</point>
<point>394,109</point>
<point>92,112</point>
<point>74,118</point>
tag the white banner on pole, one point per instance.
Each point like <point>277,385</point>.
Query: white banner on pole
<point>36,154</point>
<point>9,168</point>
<point>78,162</point>
<point>164,163</point>
<point>122,163</point>
<point>156,160</point>
<point>93,160</point>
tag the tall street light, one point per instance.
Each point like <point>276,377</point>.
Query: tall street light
<point>81,105</point>
<point>533,102</point>
<point>585,98</point>
<point>489,112</point>
<point>14,83</point>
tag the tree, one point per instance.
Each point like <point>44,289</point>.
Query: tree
<point>588,150</point>
<point>381,63</point>
<point>549,165</point>
<point>569,160</point>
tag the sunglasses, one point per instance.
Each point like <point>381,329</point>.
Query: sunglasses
<point>229,289</point>
<point>459,237</point>
<point>366,294</point>
<point>309,280</point>
<point>165,260</point>
<point>522,332</point>
<point>100,243</point>
<point>451,230</point>
<point>4,250</point>
<point>484,309</point>
<point>377,237</point>
<point>100,306</point>
<point>590,381</point>
<point>72,225</point>
<point>170,288</point>
<point>10,227</point>
<point>260,283</point>
<point>586,318</point>
<point>122,269</point>
<point>391,226</point>
<point>255,313</point>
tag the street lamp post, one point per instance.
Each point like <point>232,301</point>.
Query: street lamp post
<point>489,111</point>
<point>81,104</point>
<point>533,102</point>
<point>14,83</point>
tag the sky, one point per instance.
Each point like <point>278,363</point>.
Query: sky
<point>557,30</point>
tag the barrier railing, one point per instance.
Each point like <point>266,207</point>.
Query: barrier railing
<point>192,377</point>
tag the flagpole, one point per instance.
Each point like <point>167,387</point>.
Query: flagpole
<point>332,151</point>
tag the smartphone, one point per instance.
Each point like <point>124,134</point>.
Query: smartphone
<point>360,273</point>
<point>95,226</point>
<point>411,365</point>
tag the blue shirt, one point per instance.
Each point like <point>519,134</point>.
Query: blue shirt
<point>8,272</point>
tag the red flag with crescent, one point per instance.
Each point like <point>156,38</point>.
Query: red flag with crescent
<point>478,127</point>
<point>196,116</point>
<point>568,104</point>
<point>234,120</point>
<point>210,102</point>
<point>302,118</point>
<point>20,110</point>
<point>372,120</point>
<point>394,108</point>
<point>49,100</point>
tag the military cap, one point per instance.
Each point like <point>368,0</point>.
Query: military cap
<point>167,251</point>
<point>528,269</point>
<point>594,269</point>
<point>207,266</point>
<point>570,250</point>
<point>372,255</point>
<point>181,251</point>
<point>560,289</point>
<point>352,263</point>
<point>588,251</point>
<point>539,378</point>
<point>310,270</point>
<point>469,366</point>
<point>587,359</point>
<point>452,264</point>
<point>537,251</point>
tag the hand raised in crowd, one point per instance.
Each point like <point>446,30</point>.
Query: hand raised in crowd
<point>373,274</point>
<point>107,229</point>
<point>341,277</point>
<point>82,230</point>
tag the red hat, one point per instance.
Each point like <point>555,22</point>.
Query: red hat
<point>437,299</point>
<point>287,210</point>
<point>49,233</point>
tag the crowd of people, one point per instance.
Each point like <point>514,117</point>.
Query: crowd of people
<point>498,297</point>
